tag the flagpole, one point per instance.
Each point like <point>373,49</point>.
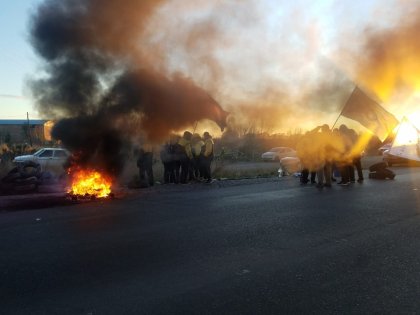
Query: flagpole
<point>345,104</point>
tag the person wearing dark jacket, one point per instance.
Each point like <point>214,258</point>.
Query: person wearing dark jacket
<point>185,156</point>
<point>304,179</point>
<point>167,158</point>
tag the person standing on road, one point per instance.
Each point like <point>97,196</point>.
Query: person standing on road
<point>166,156</point>
<point>305,154</point>
<point>176,158</point>
<point>357,153</point>
<point>145,165</point>
<point>208,154</point>
<point>345,162</point>
<point>325,155</point>
<point>185,156</point>
<point>196,146</point>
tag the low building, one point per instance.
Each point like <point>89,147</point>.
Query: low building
<point>25,131</point>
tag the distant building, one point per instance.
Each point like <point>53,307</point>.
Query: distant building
<point>24,131</point>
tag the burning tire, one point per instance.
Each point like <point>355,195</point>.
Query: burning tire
<point>29,184</point>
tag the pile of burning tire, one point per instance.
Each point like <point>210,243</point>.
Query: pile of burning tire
<point>27,177</point>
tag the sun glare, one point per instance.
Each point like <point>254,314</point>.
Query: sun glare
<point>407,134</point>
<point>415,118</point>
<point>410,108</point>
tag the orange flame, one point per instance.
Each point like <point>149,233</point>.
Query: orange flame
<point>90,182</point>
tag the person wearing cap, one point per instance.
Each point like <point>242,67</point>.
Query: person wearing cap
<point>208,149</point>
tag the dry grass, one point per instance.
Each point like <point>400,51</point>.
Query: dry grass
<point>235,170</point>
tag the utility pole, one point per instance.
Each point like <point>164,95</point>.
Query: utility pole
<point>29,129</point>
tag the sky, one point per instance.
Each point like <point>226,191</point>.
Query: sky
<point>281,58</point>
<point>17,60</point>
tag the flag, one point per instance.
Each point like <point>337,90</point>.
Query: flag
<point>369,113</point>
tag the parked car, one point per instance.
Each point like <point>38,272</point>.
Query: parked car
<point>392,160</point>
<point>277,153</point>
<point>385,147</point>
<point>51,159</point>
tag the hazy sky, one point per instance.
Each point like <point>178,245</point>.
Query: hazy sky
<point>287,46</point>
<point>17,59</point>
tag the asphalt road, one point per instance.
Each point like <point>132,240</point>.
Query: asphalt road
<point>234,247</point>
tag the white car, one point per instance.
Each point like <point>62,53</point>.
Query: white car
<point>277,153</point>
<point>51,159</point>
<point>385,147</point>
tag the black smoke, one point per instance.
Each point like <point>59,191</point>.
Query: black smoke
<point>98,87</point>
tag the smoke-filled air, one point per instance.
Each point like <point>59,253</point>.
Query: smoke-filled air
<point>116,71</point>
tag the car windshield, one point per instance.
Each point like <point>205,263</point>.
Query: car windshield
<point>275,150</point>
<point>37,153</point>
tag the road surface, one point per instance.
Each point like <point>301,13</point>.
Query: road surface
<point>264,246</point>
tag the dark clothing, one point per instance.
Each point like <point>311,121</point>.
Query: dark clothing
<point>179,154</point>
<point>207,157</point>
<point>145,163</point>
<point>169,174</point>
<point>380,171</point>
<point>185,170</point>
<point>197,167</point>
<point>345,172</point>
<point>305,175</point>
<point>358,164</point>
<point>182,163</point>
<point>177,167</point>
<point>206,167</point>
<point>167,158</point>
<point>351,172</point>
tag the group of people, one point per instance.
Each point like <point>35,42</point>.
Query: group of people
<point>324,152</point>
<point>184,159</point>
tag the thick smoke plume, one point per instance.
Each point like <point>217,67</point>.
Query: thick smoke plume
<point>101,88</point>
<point>389,59</point>
<point>153,67</point>
<point>382,55</point>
